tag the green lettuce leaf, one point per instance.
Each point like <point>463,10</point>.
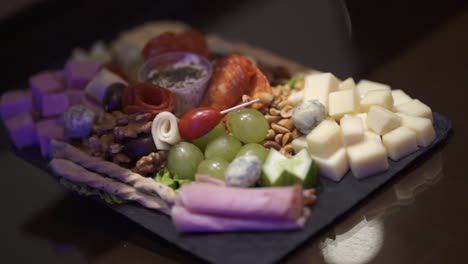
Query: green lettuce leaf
<point>164,176</point>
<point>293,80</point>
<point>83,189</point>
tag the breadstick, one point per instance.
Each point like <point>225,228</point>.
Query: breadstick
<point>142,184</point>
<point>74,172</point>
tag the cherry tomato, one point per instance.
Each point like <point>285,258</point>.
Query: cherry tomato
<point>198,122</point>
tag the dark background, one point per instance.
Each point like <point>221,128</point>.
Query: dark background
<point>417,46</point>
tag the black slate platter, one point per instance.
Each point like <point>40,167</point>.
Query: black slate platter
<point>335,199</point>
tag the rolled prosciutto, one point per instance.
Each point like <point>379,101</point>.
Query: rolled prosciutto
<point>203,207</point>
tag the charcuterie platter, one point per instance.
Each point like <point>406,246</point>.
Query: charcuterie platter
<point>219,148</point>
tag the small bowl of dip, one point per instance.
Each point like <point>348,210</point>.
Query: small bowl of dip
<point>185,74</point>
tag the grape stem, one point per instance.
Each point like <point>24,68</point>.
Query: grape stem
<point>240,106</point>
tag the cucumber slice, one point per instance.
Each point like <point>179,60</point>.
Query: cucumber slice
<point>280,171</point>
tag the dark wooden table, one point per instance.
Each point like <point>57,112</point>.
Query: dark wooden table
<point>420,47</point>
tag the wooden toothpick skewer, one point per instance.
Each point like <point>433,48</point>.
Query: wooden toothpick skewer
<point>240,106</point>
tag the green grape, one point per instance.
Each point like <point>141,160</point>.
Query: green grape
<point>224,147</point>
<point>253,149</point>
<point>213,167</point>
<point>248,125</point>
<point>183,160</point>
<point>202,141</point>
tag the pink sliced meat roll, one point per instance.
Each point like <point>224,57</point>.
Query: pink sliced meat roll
<point>206,206</point>
<point>186,221</point>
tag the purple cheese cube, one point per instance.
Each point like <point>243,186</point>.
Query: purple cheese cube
<point>22,130</point>
<point>15,102</point>
<point>43,84</point>
<point>54,104</point>
<point>47,130</point>
<point>60,76</point>
<point>79,73</point>
<point>75,96</point>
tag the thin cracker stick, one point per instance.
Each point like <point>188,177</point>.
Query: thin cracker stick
<point>143,184</point>
<point>74,172</point>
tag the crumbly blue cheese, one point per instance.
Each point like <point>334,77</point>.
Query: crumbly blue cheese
<point>308,115</point>
<point>244,171</point>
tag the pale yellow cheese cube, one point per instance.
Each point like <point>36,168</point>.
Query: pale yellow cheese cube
<point>400,97</point>
<point>333,167</point>
<point>367,158</point>
<point>371,135</point>
<point>299,144</point>
<point>347,84</point>
<point>325,139</point>
<point>319,86</point>
<point>400,142</point>
<point>415,108</point>
<point>381,120</point>
<point>423,127</point>
<point>352,130</point>
<point>365,86</point>
<point>342,102</point>
<point>381,98</point>
<point>363,117</point>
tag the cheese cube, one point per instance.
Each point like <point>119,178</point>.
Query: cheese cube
<point>325,139</point>
<point>381,98</point>
<point>423,127</point>
<point>367,158</point>
<point>352,130</point>
<point>21,130</point>
<point>299,144</point>
<point>333,167</point>
<point>365,86</point>
<point>15,102</point>
<point>381,120</point>
<point>400,97</point>
<point>371,135</point>
<point>319,86</point>
<point>347,84</point>
<point>415,108</point>
<point>400,142</point>
<point>47,130</point>
<point>363,117</point>
<point>79,73</point>
<point>342,102</point>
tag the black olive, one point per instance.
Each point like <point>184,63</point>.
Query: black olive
<point>139,147</point>
<point>113,97</point>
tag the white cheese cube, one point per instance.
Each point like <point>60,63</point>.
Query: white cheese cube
<point>423,127</point>
<point>400,97</point>
<point>319,86</point>
<point>363,117</point>
<point>400,142</point>
<point>381,120</point>
<point>367,158</point>
<point>295,98</point>
<point>365,86</point>
<point>347,84</point>
<point>333,167</point>
<point>371,135</point>
<point>299,144</point>
<point>342,102</point>
<point>325,139</point>
<point>352,130</point>
<point>415,108</point>
<point>381,98</point>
